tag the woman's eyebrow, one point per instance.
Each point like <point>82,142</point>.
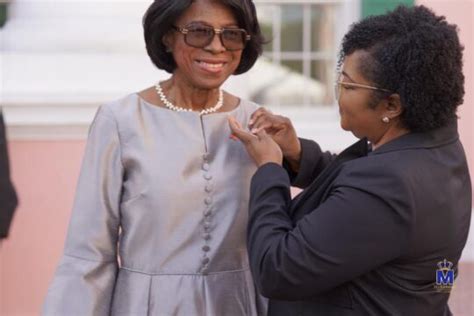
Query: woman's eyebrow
<point>346,75</point>
<point>229,24</point>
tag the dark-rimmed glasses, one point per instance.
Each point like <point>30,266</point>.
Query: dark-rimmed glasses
<point>200,36</point>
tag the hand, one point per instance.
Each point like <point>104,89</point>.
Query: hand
<point>260,146</point>
<point>282,132</point>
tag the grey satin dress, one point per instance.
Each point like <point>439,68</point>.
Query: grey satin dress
<point>166,193</point>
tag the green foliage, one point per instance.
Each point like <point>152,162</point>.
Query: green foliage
<point>3,13</point>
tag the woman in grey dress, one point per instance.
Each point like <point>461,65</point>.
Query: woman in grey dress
<point>162,187</point>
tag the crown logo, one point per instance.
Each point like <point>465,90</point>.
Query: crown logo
<point>445,265</point>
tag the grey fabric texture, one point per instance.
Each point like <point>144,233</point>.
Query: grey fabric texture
<point>167,193</point>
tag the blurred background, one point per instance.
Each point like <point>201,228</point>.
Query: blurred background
<point>59,60</point>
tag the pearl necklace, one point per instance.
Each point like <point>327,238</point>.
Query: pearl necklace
<point>171,106</point>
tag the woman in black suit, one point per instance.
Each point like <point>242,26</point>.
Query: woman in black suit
<point>376,222</point>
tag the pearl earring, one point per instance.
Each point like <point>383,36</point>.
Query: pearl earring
<point>385,119</point>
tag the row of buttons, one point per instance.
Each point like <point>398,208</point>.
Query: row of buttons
<point>207,221</point>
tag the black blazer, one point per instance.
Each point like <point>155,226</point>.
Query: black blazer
<point>367,233</point>
<point>8,199</point>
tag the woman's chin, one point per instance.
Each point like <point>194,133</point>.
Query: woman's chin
<point>344,126</point>
<point>209,84</point>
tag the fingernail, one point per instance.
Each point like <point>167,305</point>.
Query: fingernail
<point>250,122</point>
<point>254,130</point>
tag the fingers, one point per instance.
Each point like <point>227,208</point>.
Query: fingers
<point>264,119</point>
<point>237,123</point>
<point>270,125</point>
<point>239,132</point>
<point>257,114</point>
<point>261,134</point>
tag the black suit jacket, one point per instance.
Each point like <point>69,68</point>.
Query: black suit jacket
<point>8,199</point>
<point>367,233</point>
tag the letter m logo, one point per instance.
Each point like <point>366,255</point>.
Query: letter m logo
<point>444,277</point>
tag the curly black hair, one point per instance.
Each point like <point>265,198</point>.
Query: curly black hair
<point>161,15</point>
<point>416,54</point>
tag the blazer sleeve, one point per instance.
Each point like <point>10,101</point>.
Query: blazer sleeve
<point>84,280</point>
<point>352,232</point>
<point>313,161</point>
<point>8,198</point>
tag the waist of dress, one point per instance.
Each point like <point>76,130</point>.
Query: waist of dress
<point>185,273</point>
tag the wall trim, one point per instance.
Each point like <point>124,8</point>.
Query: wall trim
<point>62,121</point>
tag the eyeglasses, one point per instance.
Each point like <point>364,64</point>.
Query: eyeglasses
<point>340,83</point>
<point>200,36</point>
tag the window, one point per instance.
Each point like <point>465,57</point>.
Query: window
<point>299,62</point>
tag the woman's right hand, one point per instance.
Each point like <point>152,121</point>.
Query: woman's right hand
<point>282,132</point>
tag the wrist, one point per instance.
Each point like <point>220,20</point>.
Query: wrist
<point>294,155</point>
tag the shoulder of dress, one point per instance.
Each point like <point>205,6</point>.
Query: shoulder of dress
<point>121,108</point>
<point>249,106</point>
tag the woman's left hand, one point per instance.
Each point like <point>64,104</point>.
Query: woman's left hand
<point>260,146</point>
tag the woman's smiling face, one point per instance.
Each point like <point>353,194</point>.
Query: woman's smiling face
<point>210,66</point>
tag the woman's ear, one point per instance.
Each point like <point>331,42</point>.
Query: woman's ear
<point>393,106</point>
<point>168,41</point>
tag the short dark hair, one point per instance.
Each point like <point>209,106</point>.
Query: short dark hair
<point>161,15</point>
<point>416,54</point>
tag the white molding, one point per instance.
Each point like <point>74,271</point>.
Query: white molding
<point>48,122</point>
<point>60,122</point>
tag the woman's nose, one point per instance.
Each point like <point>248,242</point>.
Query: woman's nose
<point>216,46</point>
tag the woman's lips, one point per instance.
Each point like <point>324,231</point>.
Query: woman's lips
<point>214,67</point>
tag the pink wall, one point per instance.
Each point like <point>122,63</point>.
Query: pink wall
<point>461,12</point>
<point>44,174</point>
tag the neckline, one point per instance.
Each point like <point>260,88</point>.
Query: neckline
<point>193,113</point>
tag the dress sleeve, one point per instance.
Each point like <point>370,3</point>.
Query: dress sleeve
<point>84,280</point>
<point>355,230</point>
<point>313,161</point>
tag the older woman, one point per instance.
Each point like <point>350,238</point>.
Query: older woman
<point>379,229</point>
<point>162,187</point>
